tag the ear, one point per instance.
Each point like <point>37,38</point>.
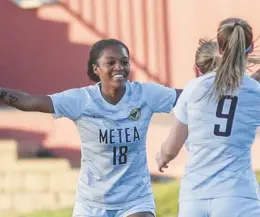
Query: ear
<point>198,73</point>
<point>95,69</point>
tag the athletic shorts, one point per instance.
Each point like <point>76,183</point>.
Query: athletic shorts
<point>220,207</point>
<point>83,210</point>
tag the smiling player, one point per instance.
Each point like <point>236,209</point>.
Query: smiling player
<point>112,118</point>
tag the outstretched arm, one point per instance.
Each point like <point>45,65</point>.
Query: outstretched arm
<point>171,147</point>
<point>26,102</point>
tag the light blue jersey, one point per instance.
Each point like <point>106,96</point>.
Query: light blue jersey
<point>220,136</point>
<point>114,172</point>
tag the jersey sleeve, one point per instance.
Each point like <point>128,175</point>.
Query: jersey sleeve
<point>180,110</point>
<point>159,98</point>
<point>70,103</point>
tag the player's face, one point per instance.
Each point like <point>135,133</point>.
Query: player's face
<point>113,66</point>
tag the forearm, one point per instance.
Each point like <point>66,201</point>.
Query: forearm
<point>26,102</point>
<point>166,155</point>
<point>13,98</point>
<point>173,144</point>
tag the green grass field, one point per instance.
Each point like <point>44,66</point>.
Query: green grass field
<point>166,195</point>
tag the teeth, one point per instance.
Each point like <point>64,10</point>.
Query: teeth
<point>118,76</point>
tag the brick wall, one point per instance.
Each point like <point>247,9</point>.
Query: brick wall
<point>34,184</point>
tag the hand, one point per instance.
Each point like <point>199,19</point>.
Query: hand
<point>161,164</point>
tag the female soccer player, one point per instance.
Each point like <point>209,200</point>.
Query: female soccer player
<point>207,59</point>
<point>112,118</point>
<point>217,115</point>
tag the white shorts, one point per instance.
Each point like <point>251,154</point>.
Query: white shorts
<point>220,207</point>
<point>83,210</point>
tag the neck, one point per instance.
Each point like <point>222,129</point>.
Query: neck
<point>113,95</point>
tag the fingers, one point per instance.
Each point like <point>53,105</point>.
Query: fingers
<point>162,167</point>
<point>161,170</point>
<point>161,164</point>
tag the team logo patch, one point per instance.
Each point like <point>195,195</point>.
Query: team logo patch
<point>135,114</point>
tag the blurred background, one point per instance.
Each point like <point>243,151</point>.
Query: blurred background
<point>44,49</point>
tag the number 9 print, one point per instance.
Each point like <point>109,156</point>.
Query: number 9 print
<point>229,116</point>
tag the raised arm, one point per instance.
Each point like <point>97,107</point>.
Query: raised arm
<point>26,102</point>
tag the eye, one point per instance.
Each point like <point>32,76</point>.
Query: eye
<point>125,62</point>
<point>110,63</point>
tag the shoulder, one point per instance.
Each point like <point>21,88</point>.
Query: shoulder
<point>248,80</point>
<point>250,85</point>
<point>91,91</point>
<point>135,86</point>
<point>81,95</point>
<point>200,83</point>
<point>158,97</point>
<point>143,87</point>
<point>203,80</point>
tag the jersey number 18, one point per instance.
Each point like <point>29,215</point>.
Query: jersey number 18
<point>120,155</point>
<point>229,116</point>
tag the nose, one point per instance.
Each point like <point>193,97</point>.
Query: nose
<point>118,66</point>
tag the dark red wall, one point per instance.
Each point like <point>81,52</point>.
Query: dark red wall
<point>36,55</point>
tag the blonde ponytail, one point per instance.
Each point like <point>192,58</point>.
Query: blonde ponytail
<point>234,37</point>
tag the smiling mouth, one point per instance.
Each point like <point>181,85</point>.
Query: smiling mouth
<point>118,76</point>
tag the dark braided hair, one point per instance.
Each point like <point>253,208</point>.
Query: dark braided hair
<point>96,52</point>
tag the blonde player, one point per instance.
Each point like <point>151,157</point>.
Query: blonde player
<point>207,58</point>
<point>217,115</point>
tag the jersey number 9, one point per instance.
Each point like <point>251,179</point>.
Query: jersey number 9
<point>229,116</point>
